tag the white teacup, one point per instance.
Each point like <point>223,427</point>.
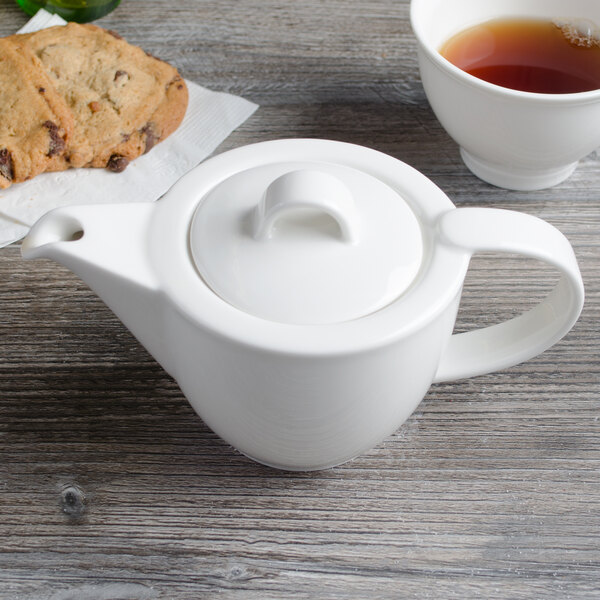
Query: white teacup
<point>512,139</point>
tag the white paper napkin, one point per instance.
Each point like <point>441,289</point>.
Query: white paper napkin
<point>210,118</point>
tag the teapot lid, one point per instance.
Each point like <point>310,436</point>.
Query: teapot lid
<point>306,242</point>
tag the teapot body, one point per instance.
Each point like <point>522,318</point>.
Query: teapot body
<point>305,411</point>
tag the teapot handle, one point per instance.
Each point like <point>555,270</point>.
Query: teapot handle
<point>514,341</point>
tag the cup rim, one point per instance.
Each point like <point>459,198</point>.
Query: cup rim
<point>443,63</point>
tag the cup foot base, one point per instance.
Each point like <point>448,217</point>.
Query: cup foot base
<point>514,178</point>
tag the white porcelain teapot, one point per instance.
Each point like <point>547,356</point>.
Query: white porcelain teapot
<point>303,292</point>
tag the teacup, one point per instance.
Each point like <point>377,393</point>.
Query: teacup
<point>511,139</point>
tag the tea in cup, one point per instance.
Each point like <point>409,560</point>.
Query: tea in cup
<point>516,84</point>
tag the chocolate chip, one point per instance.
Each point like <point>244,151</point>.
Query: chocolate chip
<point>125,137</point>
<point>117,163</point>
<point>57,144</point>
<point>41,90</point>
<point>6,164</point>
<point>120,76</point>
<point>151,137</point>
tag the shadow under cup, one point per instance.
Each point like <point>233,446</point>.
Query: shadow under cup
<point>511,139</point>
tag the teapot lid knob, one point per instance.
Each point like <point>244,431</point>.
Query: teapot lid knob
<point>306,189</point>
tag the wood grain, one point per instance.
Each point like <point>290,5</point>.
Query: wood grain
<point>111,488</point>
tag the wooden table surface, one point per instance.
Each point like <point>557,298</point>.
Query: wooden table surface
<point>111,488</point>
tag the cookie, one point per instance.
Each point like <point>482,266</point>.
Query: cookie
<point>35,121</point>
<point>123,100</point>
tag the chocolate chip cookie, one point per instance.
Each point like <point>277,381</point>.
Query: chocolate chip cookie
<point>123,100</point>
<point>35,122</point>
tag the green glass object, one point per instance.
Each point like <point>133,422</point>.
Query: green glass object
<point>81,11</point>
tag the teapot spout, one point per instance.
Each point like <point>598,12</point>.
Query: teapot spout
<point>107,246</point>
<point>110,238</point>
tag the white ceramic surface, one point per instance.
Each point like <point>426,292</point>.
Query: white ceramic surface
<point>306,243</point>
<point>512,139</point>
<point>307,396</point>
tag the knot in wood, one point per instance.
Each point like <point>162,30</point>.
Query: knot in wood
<point>72,501</point>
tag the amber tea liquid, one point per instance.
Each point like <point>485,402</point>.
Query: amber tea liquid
<point>529,55</point>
